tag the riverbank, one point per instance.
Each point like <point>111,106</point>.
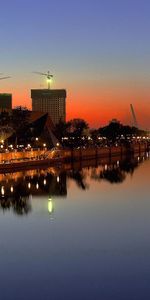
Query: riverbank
<point>43,158</point>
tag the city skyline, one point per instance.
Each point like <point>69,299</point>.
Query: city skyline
<point>97,50</point>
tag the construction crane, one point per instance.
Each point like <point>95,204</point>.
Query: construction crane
<point>1,78</point>
<point>47,75</point>
<point>135,123</point>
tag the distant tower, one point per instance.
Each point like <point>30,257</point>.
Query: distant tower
<point>50,101</point>
<point>135,123</point>
<point>5,102</point>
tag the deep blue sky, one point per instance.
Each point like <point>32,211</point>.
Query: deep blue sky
<point>96,49</point>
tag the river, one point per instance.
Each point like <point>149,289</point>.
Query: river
<point>76,232</point>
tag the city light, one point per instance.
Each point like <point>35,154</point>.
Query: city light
<point>2,191</point>
<point>49,80</point>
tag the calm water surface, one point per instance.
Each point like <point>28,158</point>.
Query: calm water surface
<point>81,233</point>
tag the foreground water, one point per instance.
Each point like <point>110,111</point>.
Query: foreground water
<point>80,233</point>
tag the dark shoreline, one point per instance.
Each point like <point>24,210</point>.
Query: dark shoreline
<point>62,157</point>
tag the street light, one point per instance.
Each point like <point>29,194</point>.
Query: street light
<point>2,191</point>
<point>11,189</point>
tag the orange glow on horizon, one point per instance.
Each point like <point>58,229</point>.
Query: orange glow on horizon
<point>98,106</point>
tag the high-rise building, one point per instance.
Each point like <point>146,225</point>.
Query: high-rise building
<point>5,102</point>
<point>49,101</point>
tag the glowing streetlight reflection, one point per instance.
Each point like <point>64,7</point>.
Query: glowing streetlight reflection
<point>50,205</point>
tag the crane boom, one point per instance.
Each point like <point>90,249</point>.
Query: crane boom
<point>47,75</point>
<point>135,123</point>
<point>1,78</point>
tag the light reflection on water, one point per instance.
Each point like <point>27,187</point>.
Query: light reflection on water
<point>83,231</point>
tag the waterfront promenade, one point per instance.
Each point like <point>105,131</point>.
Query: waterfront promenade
<point>42,158</point>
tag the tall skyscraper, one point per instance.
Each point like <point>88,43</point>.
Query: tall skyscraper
<point>49,101</point>
<point>5,102</point>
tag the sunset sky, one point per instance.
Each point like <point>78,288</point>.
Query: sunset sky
<point>99,50</point>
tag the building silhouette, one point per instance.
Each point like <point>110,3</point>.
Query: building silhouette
<point>5,102</point>
<point>49,101</point>
<point>38,130</point>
